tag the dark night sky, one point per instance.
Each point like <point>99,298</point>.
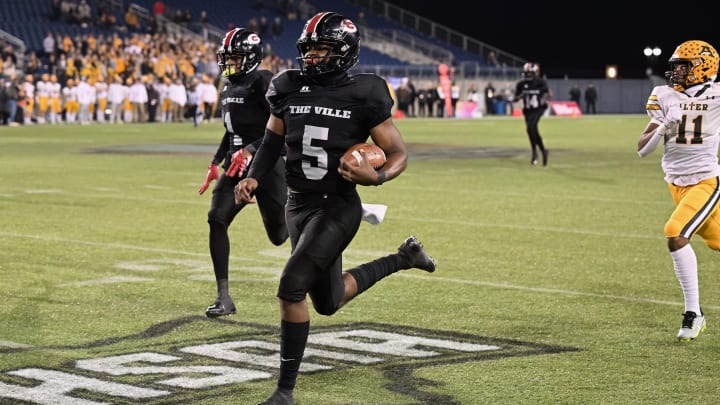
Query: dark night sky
<point>577,39</point>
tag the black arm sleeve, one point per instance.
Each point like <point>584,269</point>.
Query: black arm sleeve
<point>267,154</point>
<point>222,149</point>
<point>253,147</point>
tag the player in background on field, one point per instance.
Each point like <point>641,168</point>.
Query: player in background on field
<point>244,112</point>
<point>318,112</point>
<point>685,117</point>
<point>28,87</point>
<point>535,93</point>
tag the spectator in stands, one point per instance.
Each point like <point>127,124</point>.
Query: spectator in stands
<point>84,14</point>
<point>178,16</point>
<point>107,18</point>
<point>59,44</point>
<point>362,19</point>
<point>291,10</point>
<point>263,26</point>
<point>492,59</point>
<point>187,17</point>
<point>132,21</point>
<point>590,99</point>
<point>253,24</point>
<point>49,45</point>
<point>204,24</point>
<point>575,94</point>
<point>9,69</point>
<point>305,10</point>
<point>153,27</point>
<point>159,9</point>
<point>489,98</point>
<point>277,28</point>
<point>67,11</point>
<point>55,11</point>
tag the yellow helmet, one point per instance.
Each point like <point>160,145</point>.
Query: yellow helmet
<point>693,62</point>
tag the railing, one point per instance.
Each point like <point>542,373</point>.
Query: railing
<point>441,33</point>
<point>417,46</point>
<point>462,71</point>
<point>164,24</point>
<point>18,45</point>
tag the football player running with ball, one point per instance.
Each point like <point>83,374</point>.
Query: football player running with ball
<point>245,111</point>
<point>685,117</point>
<point>319,111</point>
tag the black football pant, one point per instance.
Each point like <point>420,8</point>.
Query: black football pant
<point>321,226</point>
<point>532,118</point>
<point>271,196</point>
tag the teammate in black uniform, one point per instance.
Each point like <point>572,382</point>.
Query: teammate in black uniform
<point>534,92</point>
<point>245,111</point>
<point>320,111</point>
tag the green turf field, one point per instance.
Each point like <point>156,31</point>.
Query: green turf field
<point>554,284</point>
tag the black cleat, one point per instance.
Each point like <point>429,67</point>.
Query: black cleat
<point>280,396</point>
<point>534,160</point>
<point>545,154</point>
<point>414,255</point>
<point>220,308</point>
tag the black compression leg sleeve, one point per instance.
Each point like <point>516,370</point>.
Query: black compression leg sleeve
<point>366,275</point>
<point>293,338</point>
<point>219,249</point>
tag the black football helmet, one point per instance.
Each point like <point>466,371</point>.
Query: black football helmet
<point>531,70</point>
<point>243,44</point>
<point>335,31</point>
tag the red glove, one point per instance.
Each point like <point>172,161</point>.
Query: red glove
<point>212,174</point>
<point>238,164</point>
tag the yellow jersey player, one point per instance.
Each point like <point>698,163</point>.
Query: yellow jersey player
<point>685,116</point>
<point>55,95</point>
<point>29,89</point>
<point>70,101</point>
<point>43,97</point>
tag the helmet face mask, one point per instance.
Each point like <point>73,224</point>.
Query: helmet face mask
<point>530,70</point>
<point>240,53</point>
<point>329,43</point>
<point>692,63</point>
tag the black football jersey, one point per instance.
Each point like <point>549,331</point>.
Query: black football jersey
<point>245,112</point>
<point>533,93</point>
<point>322,121</point>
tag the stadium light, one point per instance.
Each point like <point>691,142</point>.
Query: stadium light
<point>611,72</point>
<point>651,54</point>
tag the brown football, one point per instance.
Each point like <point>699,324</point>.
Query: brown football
<point>374,154</point>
